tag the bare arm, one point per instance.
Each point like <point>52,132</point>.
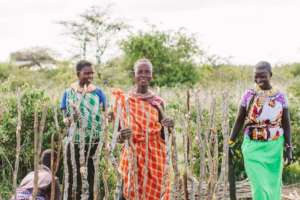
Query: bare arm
<point>286,125</point>
<point>239,122</point>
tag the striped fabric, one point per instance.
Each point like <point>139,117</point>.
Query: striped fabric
<point>142,111</point>
<point>90,114</point>
<point>26,194</point>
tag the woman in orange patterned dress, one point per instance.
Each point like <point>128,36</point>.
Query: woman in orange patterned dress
<point>144,152</point>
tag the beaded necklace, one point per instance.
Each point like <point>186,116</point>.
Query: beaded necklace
<point>264,94</point>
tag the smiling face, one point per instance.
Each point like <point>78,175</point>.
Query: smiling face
<point>85,75</point>
<point>143,74</point>
<point>262,78</point>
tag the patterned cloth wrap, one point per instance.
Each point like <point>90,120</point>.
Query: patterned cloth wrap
<point>25,190</point>
<point>26,194</point>
<point>89,108</point>
<point>264,117</point>
<point>139,109</point>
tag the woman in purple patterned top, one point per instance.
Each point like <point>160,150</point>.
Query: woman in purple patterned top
<point>265,116</point>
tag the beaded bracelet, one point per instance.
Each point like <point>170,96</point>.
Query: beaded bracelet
<point>288,146</point>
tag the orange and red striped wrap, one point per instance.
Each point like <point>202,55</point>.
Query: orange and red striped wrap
<point>139,109</point>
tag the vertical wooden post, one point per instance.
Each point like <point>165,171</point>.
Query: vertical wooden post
<point>18,139</point>
<point>231,177</point>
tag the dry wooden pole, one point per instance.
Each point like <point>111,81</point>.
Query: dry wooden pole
<point>146,154</point>
<point>83,169</point>
<point>36,154</point>
<point>131,144</point>
<point>223,179</point>
<point>96,160</point>
<point>174,163</point>
<point>71,147</point>
<point>170,139</point>
<point>189,140</point>
<point>135,172</point>
<point>105,177</point>
<point>193,188</point>
<point>74,168</point>
<point>167,168</point>
<point>18,139</point>
<point>131,154</point>
<point>60,138</point>
<point>103,141</point>
<point>201,146</point>
<point>210,138</point>
<point>89,147</point>
<point>71,150</point>
<point>52,169</point>
<point>215,153</point>
<point>114,162</point>
<point>66,171</point>
<point>207,138</point>
<point>215,162</point>
<point>106,156</point>
<point>186,142</point>
<point>38,139</point>
<point>128,149</point>
<point>89,153</point>
<point>82,161</point>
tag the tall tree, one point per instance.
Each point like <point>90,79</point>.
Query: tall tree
<point>94,31</point>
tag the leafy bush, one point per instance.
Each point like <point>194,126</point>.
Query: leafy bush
<point>31,99</point>
<point>4,71</point>
<point>171,54</point>
<point>291,174</point>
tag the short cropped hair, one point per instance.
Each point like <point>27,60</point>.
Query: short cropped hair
<point>81,64</point>
<point>264,65</point>
<point>140,62</point>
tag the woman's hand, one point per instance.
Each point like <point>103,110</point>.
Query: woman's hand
<point>288,155</point>
<point>76,111</point>
<point>124,134</point>
<point>110,117</point>
<point>75,117</point>
<point>67,121</point>
<point>168,122</point>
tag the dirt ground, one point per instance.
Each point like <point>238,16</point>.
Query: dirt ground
<point>291,192</point>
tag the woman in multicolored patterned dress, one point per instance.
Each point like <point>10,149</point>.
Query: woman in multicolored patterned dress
<point>143,163</point>
<point>264,111</point>
<point>82,104</point>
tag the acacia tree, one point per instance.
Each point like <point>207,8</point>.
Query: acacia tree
<point>34,56</point>
<point>94,31</point>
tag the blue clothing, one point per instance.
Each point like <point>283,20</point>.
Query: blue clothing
<point>100,94</point>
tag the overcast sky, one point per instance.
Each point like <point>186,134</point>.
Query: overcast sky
<point>245,30</point>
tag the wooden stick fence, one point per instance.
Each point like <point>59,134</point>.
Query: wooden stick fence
<point>207,136</point>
